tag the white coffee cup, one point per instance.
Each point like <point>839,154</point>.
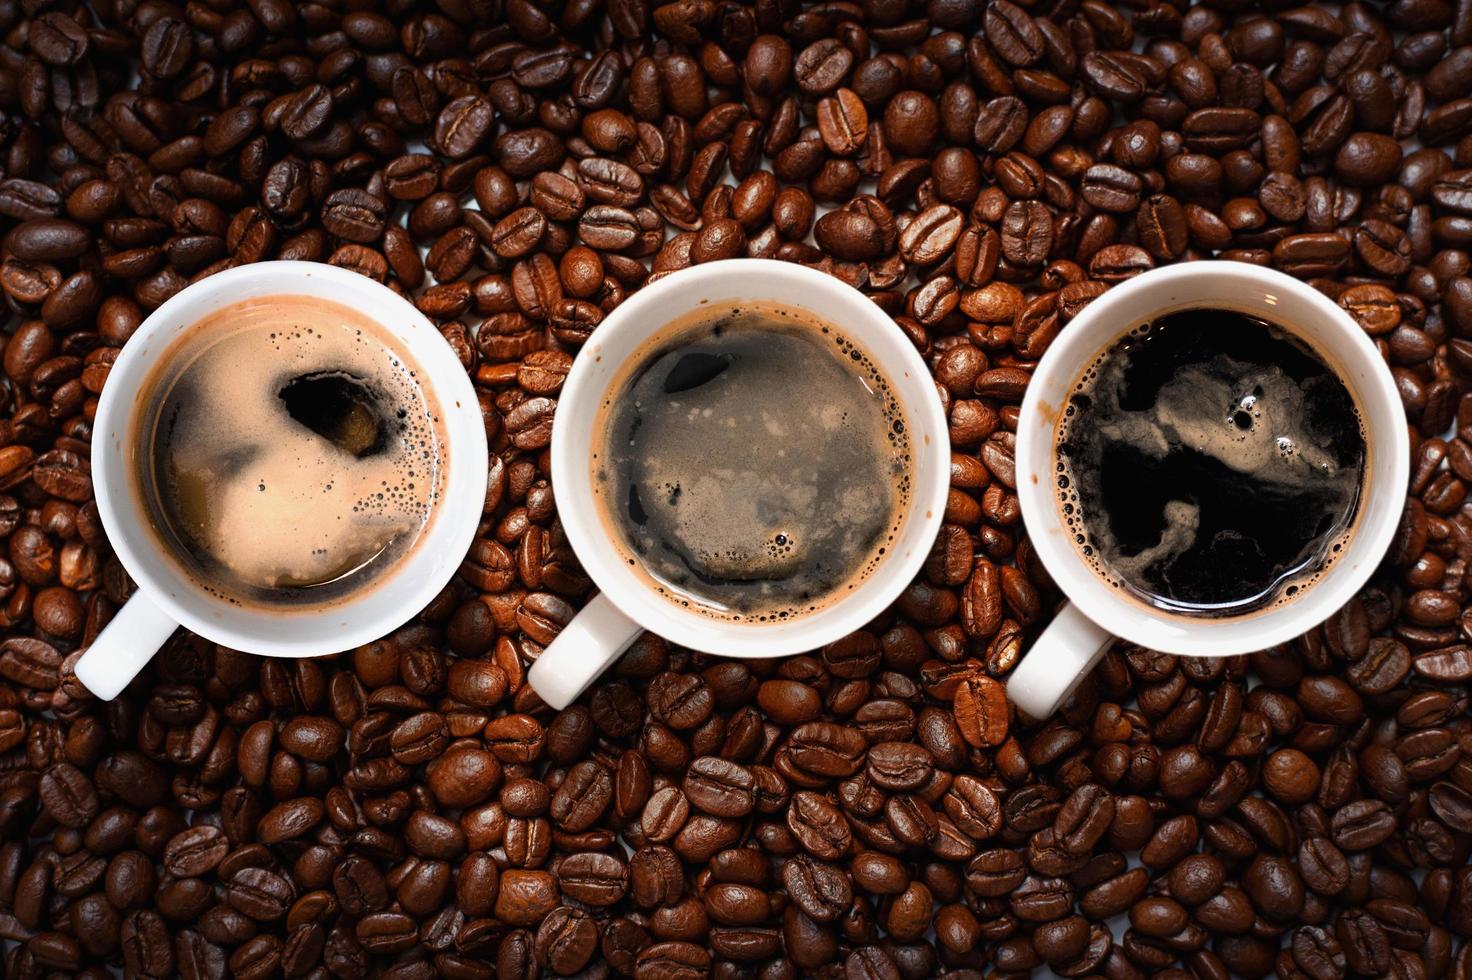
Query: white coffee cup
<point>1098,612</point>
<point>627,602</point>
<point>168,596</point>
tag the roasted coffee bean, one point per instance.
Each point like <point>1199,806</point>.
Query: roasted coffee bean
<point>259,894</point>
<point>720,787</point>
<point>196,851</point>
<point>47,239</point>
<point>931,234</point>
<point>463,124</point>
<point>982,711</point>
<point>818,825</point>
<point>68,795</point>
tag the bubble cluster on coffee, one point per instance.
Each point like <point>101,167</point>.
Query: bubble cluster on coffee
<point>292,482</point>
<point>754,464</point>
<point>1210,461</point>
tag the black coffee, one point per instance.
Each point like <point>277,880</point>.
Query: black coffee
<point>286,451</point>
<point>1211,463</point>
<point>754,463</point>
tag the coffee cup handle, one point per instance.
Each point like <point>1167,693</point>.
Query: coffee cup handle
<point>124,647</point>
<point>1059,659</point>
<point>584,649</point>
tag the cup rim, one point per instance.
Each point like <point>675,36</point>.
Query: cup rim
<point>641,316</point>
<point>340,625</point>
<point>1099,326</point>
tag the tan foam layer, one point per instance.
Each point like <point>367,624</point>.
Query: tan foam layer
<point>770,490</point>
<point>257,493</point>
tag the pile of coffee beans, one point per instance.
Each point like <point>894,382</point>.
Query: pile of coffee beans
<point>983,169</point>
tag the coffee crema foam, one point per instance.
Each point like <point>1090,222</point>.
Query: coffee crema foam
<point>752,462</point>
<point>1210,463</point>
<point>263,507</point>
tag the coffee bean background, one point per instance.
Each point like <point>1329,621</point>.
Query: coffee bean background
<point>875,809</point>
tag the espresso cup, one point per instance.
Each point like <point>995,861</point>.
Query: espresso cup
<point>168,595</point>
<point>628,602</point>
<point>1097,612</point>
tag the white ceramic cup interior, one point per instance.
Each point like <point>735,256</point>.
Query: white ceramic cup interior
<point>628,602</point>
<point>168,596</point>
<point>1099,611</point>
